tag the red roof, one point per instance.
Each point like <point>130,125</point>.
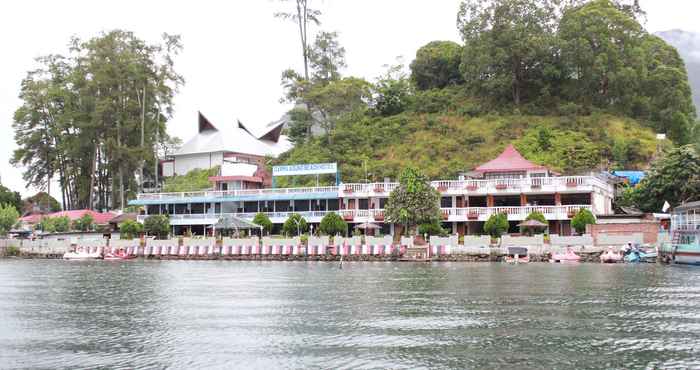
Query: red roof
<point>509,160</point>
<point>98,217</point>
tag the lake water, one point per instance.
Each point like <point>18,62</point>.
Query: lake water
<point>228,314</point>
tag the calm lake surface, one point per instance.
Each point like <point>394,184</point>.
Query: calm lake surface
<point>229,314</point>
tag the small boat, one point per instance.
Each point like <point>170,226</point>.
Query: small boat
<point>517,255</point>
<point>610,257</point>
<point>568,256</point>
<point>119,254</point>
<point>638,255</point>
<point>83,253</point>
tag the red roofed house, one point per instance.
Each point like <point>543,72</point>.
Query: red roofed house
<point>99,218</point>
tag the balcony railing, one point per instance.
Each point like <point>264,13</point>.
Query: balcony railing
<point>451,187</point>
<point>377,215</point>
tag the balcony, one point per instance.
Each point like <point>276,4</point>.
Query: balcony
<point>322,192</point>
<point>377,215</point>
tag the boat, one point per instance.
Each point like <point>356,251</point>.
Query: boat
<point>568,256</point>
<point>635,254</point>
<point>684,248</point>
<point>610,257</point>
<point>83,253</point>
<point>517,255</point>
<point>119,254</point>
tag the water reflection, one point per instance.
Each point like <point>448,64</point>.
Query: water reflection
<point>219,314</point>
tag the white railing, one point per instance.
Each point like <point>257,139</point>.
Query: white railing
<point>382,189</point>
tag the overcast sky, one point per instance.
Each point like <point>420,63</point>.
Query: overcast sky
<point>235,51</point>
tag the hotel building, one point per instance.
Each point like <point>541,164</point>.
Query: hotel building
<point>508,184</point>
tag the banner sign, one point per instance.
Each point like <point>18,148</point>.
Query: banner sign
<point>305,169</point>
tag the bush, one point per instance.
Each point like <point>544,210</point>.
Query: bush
<point>12,251</point>
<point>157,225</point>
<point>261,219</point>
<point>293,224</point>
<point>84,223</point>
<point>332,224</point>
<point>496,225</point>
<point>130,229</point>
<point>432,229</point>
<point>581,219</point>
<point>55,224</point>
<point>8,218</point>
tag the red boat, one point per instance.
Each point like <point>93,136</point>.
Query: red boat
<point>119,254</point>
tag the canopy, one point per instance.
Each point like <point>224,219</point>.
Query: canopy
<point>233,222</point>
<point>532,223</point>
<point>368,226</point>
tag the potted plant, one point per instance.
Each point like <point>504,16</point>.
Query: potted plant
<point>472,187</point>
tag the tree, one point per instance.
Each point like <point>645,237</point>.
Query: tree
<point>84,223</point>
<point>413,201</point>
<point>261,219</point>
<point>393,92</point>
<point>437,65</point>
<point>673,178</point>
<point>194,180</point>
<point>8,218</point>
<point>130,229</point>
<point>157,225</point>
<point>496,225</point>
<point>537,216</point>
<point>327,58</point>
<point>42,202</point>
<point>302,15</point>
<point>332,224</point>
<point>507,45</point>
<point>582,218</point>
<point>295,225</point>
<point>60,224</point>
<point>9,197</point>
<point>337,98</point>
<point>92,118</point>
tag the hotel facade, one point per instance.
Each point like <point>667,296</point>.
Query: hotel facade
<point>508,184</point>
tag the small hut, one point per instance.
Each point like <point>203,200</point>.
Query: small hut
<point>228,223</point>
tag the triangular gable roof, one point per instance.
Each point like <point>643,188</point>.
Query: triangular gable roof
<point>204,123</point>
<point>270,132</point>
<point>509,160</point>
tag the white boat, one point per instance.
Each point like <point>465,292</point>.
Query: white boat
<point>83,253</point>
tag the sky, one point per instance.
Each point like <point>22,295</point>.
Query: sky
<point>234,51</point>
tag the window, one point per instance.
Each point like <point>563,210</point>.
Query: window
<point>282,206</point>
<point>301,205</point>
<point>181,209</point>
<point>363,204</point>
<point>197,208</point>
<point>446,202</point>
<point>333,204</point>
<point>250,207</point>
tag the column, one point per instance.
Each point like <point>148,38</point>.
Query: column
<point>489,200</point>
<point>523,200</point>
<point>557,199</point>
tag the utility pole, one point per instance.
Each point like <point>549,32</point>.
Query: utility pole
<point>155,147</point>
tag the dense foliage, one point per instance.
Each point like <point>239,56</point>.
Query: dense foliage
<point>673,178</point>
<point>8,218</point>
<point>10,197</point>
<point>58,224</point>
<point>42,202</point>
<point>157,225</point>
<point>332,224</point>
<point>197,179</point>
<point>496,225</point>
<point>582,218</point>
<point>413,202</point>
<point>295,225</point>
<point>84,223</point>
<point>261,219</point>
<point>82,116</point>
<point>437,65</point>
<point>130,229</point>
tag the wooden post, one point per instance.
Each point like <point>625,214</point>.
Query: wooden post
<point>523,200</point>
<point>557,199</point>
<point>489,200</point>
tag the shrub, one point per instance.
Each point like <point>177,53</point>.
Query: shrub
<point>55,224</point>
<point>293,224</point>
<point>496,225</point>
<point>84,223</point>
<point>130,229</point>
<point>432,229</point>
<point>12,251</point>
<point>157,225</point>
<point>581,219</point>
<point>332,224</point>
<point>8,218</point>
<point>261,219</point>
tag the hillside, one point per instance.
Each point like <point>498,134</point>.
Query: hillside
<point>454,136</point>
